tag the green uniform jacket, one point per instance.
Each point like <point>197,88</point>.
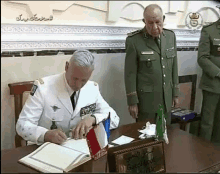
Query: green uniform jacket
<point>150,72</point>
<point>209,57</point>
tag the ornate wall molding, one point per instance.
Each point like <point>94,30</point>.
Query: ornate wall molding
<point>29,37</point>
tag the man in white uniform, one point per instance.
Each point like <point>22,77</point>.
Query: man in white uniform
<point>65,104</point>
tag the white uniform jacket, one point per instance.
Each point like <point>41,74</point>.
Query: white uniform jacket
<point>50,100</point>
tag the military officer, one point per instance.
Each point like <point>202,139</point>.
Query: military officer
<point>49,105</point>
<point>151,74</point>
<point>209,61</point>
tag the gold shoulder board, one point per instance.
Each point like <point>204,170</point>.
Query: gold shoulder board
<point>41,81</point>
<point>208,24</point>
<point>133,33</point>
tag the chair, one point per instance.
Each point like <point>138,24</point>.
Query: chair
<point>17,89</point>
<point>187,97</point>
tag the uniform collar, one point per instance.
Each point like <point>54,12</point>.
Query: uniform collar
<point>70,91</point>
<point>146,34</point>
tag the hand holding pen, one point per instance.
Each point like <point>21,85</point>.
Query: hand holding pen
<point>56,136</point>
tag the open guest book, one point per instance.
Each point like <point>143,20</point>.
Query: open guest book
<point>53,158</point>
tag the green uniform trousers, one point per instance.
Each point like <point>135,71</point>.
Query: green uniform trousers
<point>210,117</point>
<point>144,115</point>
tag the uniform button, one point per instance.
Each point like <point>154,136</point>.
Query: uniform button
<point>162,58</point>
<point>164,83</point>
<point>163,66</point>
<point>148,59</point>
<point>164,75</point>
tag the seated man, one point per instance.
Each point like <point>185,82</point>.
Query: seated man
<point>65,104</point>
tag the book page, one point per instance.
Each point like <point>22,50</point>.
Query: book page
<point>53,158</point>
<point>79,145</point>
<point>56,155</point>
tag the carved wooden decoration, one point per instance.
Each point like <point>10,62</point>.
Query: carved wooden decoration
<point>142,156</point>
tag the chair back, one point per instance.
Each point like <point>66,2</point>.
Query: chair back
<point>17,89</point>
<point>187,95</point>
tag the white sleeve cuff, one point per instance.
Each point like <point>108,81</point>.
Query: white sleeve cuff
<point>100,117</point>
<point>40,132</point>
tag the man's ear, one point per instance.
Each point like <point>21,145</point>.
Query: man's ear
<point>143,20</point>
<point>163,18</point>
<point>66,66</point>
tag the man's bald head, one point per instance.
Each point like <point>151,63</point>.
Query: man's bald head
<point>153,8</point>
<point>153,19</point>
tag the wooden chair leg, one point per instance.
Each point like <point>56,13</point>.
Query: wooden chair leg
<point>17,141</point>
<point>183,125</point>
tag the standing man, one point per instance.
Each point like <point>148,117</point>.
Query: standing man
<point>209,61</point>
<point>151,74</point>
<point>65,104</point>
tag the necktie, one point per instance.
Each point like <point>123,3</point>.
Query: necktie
<point>157,40</point>
<point>72,100</point>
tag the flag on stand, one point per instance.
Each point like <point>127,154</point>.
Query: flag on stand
<point>97,141</point>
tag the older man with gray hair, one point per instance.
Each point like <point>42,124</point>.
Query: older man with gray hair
<point>66,104</point>
<point>151,68</point>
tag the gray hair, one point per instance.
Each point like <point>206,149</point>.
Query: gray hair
<point>83,58</point>
<point>152,6</point>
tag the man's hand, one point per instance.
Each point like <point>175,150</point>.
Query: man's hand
<point>55,136</point>
<point>176,102</point>
<point>133,109</point>
<point>83,127</point>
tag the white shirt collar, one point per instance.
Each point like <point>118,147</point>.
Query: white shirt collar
<point>69,89</point>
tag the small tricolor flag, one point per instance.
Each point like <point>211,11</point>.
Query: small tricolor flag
<point>97,141</point>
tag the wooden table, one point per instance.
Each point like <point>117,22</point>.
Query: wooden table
<point>184,153</point>
<point>10,157</point>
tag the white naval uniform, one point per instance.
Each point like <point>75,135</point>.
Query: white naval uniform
<point>36,116</point>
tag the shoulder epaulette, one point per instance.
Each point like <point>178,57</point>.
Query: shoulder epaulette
<point>134,32</point>
<point>168,30</point>
<point>208,25</point>
<point>41,80</point>
<point>95,83</point>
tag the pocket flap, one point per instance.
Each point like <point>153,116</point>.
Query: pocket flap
<point>216,42</point>
<point>146,88</point>
<point>170,53</point>
<point>147,58</point>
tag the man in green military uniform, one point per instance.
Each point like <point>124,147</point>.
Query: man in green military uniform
<point>151,71</point>
<point>209,61</point>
